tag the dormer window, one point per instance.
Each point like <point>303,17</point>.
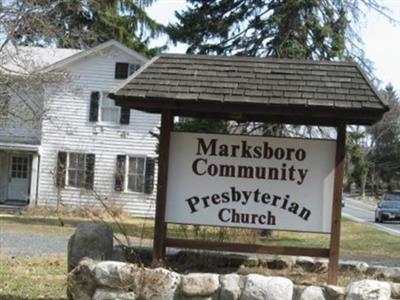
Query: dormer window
<point>124,70</point>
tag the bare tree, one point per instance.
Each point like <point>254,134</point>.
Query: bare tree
<point>23,80</point>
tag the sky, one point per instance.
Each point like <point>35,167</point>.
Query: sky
<point>381,39</point>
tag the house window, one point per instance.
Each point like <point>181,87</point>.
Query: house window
<point>19,167</point>
<point>135,174</point>
<point>103,109</point>
<point>109,112</point>
<point>124,70</point>
<point>75,169</point>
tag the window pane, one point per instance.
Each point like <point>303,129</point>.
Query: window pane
<point>107,102</point>
<point>136,183</point>
<point>140,166</point>
<point>72,177</point>
<point>77,161</point>
<point>73,160</point>
<point>132,183</point>
<point>110,114</point>
<point>133,68</point>
<point>140,183</point>
<point>136,165</point>
<point>132,165</point>
<point>80,178</point>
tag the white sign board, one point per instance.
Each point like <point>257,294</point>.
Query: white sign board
<point>252,182</point>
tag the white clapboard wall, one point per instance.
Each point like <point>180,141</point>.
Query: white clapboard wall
<point>67,128</point>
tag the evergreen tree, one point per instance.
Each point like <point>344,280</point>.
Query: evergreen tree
<point>385,142</point>
<point>80,23</point>
<point>299,29</point>
<point>288,29</point>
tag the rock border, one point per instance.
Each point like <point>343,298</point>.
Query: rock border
<point>106,280</point>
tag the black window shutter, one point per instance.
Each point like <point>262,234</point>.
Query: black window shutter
<point>125,115</point>
<point>121,70</point>
<point>89,172</point>
<point>149,180</point>
<point>120,173</point>
<point>61,169</point>
<point>94,106</point>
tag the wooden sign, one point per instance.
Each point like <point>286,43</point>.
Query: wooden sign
<point>250,182</point>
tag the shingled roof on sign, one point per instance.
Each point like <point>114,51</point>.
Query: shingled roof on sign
<point>239,87</point>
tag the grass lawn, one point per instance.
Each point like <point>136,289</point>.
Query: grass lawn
<point>44,277</point>
<point>33,278</point>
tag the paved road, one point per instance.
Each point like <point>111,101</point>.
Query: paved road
<point>364,213</point>
<point>15,243</point>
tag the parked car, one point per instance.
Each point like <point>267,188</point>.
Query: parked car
<point>387,210</point>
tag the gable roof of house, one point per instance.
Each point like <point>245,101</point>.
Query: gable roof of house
<point>94,50</point>
<point>234,86</point>
<point>27,59</point>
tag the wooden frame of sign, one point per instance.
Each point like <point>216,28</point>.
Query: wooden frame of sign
<point>161,241</point>
<point>258,90</point>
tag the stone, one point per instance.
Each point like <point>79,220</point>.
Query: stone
<point>230,287</point>
<point>258,287</point>
<point>251,262</point>
<point>368,290</point>
<point>392,274</point>
<point>306,263</point>
<point>376,271</point>
<point>90,240</point>
<point>321,266</point>
<point>200,284</point>
<point>334,292</point>
<point>110,294</point>
<point>395,290</point>
<point>382,272</point>
<point>115,274</point>
<point>280,263</point>
<point>297,291</point>
<point>313,293</point>
<point>353,266</point>
<point>183,297</point>
<point>81,282</point>
<point>157,284</point>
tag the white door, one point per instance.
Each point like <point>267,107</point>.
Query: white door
<point>19,177</point>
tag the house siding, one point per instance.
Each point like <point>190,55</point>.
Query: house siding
<point>67,128</point>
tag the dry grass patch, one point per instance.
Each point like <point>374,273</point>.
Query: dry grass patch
<point>33,278</point>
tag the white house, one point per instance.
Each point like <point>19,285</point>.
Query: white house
<point>82,148</point>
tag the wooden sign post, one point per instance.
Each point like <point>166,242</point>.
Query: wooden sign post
<point>337,205</point>
<point>160,228</point>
